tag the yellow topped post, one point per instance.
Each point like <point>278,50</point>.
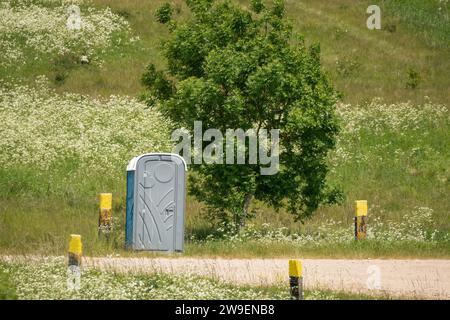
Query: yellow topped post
<point>361,208</point>
<point>296,279</point>
<point>295,268</point>
<point>74,271</point>
<point>105,200</point>
<point>105,217</point>
<point>75,250</point>
<point>360,219</point>
<point>75,245</point>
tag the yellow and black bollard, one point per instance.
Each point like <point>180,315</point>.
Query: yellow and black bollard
<point>74,268</point>
<point>296,279</point>
<point>75,250</point>
<point>105,216</point>
<point>360,219</point>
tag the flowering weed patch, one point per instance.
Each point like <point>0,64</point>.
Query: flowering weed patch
<point>72,137</point>
<point>403,128</point>
<point>31,30</point>
<point>47,279</point>
<point>415,228</point>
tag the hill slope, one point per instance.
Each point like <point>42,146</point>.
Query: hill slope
<point>394,155</point>
<point>363,63</point>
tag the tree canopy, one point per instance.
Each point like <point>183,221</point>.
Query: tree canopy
<point>231,67</point>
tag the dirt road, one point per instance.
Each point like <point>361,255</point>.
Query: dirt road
<point>405,278</point>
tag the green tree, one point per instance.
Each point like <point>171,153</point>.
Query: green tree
<point>232,68</point>
<point>7,289</point>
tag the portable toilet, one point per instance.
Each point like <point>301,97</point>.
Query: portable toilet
<point>156,192</point>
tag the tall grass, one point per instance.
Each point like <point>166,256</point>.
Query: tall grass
<point>7,288</point>
<point>393,155</point>
<point>430,18</point>
<point>362,63</point>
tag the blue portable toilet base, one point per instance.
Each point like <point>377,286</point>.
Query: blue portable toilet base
<point>155,202</point>
<point>129,210</point>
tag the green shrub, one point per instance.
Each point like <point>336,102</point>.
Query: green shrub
<point>164,13</point>
<point>413,79</point>
<point>7,289</point>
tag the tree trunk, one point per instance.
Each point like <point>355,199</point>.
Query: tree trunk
<point>247,201</point>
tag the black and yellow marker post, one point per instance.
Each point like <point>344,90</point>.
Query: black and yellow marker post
<point>105,215</point>
<point>361,219</point>
<point>74,269</point>
<point>296,279</point>
<point>75,250</point>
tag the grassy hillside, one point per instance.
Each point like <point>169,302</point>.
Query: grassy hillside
<point>363,64</point>
<point>60,149</point>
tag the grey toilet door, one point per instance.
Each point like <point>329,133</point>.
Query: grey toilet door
<point>159,199</point>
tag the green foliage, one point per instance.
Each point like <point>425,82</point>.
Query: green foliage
<point>413,79</point>
<point>347,66</point>
<point>231,70</point>
<point>7,289</point>
<point>47,280</point>
<point>160,86</point>
<point>62,65</point>
<point>164,13</point>
<point>257,6</point>
<point>99,136</point>
<point>278,8</point>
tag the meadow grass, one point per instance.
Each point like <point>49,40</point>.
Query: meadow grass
<point>377,64</point>
<point>46,228</point>
<point>362,63</point>
<point>368,249</point>
<point>394,155</point>
<point>7,288</point>
<point>430,18</point>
